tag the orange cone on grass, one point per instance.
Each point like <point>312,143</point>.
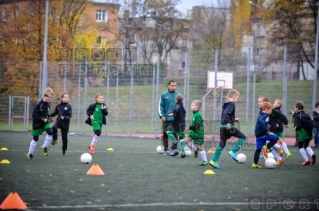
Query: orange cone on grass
<point>95,170</point>
<point>212,150</point>
<point>13,201</point>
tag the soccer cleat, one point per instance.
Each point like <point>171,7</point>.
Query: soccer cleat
<point>233,155</point>
<point>63,153</point>
<point>30,156</point>
<point>256,166</point>
<point>54,142</point>
<point>45,150</point>
<point>288,155</point>
<point>265,151</point>
<point>280,151</point>
<point>306,162</point>
<point>313,159</point>
<point>214,164</point>
<point>92,149</point>
<point>204,163</point>
<point>183,155</point>
<point>279,162</point>
<point>174,153</point>
<point>195,154</point>
<point>167,152</point>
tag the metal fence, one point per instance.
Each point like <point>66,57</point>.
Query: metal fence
<point>131,91</point>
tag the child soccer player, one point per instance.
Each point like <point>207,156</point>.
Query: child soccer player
<point>301,120</point>
<point>280,123</point>
<point>178,126</point>
<point>64,112</point>
<point>262,134</point>
<point>227,129</point>
<point>96,112</point>
<point>41,122</point>
<point>196,134</point>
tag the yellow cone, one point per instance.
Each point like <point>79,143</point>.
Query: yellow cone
<point>4,148</point>
<point>5,161</point>
<point>209,172</point>
<point>110,149</point>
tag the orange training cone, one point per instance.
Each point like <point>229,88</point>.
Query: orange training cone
<point>212,150</point>
<point>95,170</point>
<point>13,201</point>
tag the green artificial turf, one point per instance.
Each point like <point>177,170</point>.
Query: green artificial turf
<point>138,178</point>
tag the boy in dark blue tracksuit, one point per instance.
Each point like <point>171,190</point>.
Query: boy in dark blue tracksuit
<point>263,134</point>
<point>64,112</point>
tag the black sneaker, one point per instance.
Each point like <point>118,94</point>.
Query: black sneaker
<point>63,153</point>
<point>54,142</point>
<point>204,163</point>
<point>183,155</point>
<point>45,150</point>
<point>30,156</point>
<point>196,154</point>
<point>174,153</point>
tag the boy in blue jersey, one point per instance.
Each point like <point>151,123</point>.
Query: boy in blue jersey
<point>165,106</point>
<point>263,134</point>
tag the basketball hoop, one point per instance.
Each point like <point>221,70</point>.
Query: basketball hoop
<point>221,87</point>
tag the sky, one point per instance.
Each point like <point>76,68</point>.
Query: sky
<point>188,4</point>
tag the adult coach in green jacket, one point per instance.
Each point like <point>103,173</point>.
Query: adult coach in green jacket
<point>165,107</point>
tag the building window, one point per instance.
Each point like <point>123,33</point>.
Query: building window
<point>4,14</point>
<point>101,16</point>
<point>260,31</point>
<point>132,39</point>
<point>260,51</point>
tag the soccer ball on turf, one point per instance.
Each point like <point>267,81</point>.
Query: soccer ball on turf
<point>241,157</point>
<point>188,151</point>
<point>270,155</point>
<point>270,163</point>
<point>160,149</point>
<point>86,158</point>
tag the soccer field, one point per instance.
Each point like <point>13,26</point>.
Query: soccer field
<point>138,178</point>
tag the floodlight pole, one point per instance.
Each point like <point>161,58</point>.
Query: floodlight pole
<point>259,69</point>
<point>314,91</point>
<point>45,48</point>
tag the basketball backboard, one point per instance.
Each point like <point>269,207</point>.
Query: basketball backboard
<point>224,80</point>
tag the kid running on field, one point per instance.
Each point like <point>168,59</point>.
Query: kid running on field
<point>262,134</point>
<point>178,126</point>
<point>64,112</point>
<point>196,134</point>
<point>274,115</point>
<point>227,129</point>
<point>41,122</point>
<point>96,112</point>
<point>279,125</point>
<point>304,127</point>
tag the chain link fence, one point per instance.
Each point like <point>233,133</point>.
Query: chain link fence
<point>131,90</point>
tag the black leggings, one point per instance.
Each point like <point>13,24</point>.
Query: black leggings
<point>303,144</point>
<point>225,134</point>
<point>64,134</point>
<point>49,132</point>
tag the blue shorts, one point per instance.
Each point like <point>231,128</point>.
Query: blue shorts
<point>261,141</point>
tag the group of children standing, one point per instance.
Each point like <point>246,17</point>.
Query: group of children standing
<point>269,129</point>
<point>41,120</point>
